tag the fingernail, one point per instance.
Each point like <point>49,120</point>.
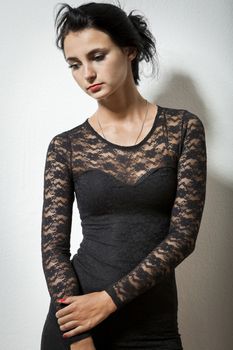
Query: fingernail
<point>65,336</point>
<point>60,300</point>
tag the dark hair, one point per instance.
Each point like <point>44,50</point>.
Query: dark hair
<point>125,31</point>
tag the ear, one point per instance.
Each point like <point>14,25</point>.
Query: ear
<point>131,52</point>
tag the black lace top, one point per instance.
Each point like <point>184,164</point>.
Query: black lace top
<point>140,208</point>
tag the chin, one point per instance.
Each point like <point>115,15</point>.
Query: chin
<point>108,93</point>
<point>102,95</point>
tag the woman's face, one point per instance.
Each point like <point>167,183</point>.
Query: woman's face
<point>95,59</point>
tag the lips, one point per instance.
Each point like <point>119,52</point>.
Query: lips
<point>95,85</point>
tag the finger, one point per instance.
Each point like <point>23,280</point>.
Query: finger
<point>65,300</point>
<point>68,299</point>
<point>69,325</point>
<point>75,331</point>
<point>64,311</point>
<point>67,318</point>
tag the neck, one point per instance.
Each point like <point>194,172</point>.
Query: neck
<point>125,104</point>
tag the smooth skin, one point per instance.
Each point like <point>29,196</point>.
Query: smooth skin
<point>99,306</point>
<point>84,344</point>
<point>121,110</point>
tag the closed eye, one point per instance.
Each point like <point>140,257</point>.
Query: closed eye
<point>99,58</point>
<point>95,58</point>
<point>73,65</point>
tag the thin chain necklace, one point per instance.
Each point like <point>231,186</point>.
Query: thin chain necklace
<point>126,163</point>
<point>141,127</point>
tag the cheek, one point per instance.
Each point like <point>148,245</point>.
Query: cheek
<point>77,78</point>
<point>115,71</point>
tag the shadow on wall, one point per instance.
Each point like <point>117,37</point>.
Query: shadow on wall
<point>204,279</point>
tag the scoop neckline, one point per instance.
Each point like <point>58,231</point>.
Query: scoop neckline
<point>129,146</point>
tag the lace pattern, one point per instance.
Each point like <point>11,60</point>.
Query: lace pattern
<point>177,139</point>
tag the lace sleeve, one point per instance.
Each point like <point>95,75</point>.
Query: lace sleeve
<point>58,200</point>
<point>185,219</point>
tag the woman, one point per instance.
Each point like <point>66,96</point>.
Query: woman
<point>138,172</point>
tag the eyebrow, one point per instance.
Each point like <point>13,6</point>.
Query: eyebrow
<point>88,54</point>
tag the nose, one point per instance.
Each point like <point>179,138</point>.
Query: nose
<point>89,73</point>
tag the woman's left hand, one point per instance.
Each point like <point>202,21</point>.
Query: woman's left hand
<point>84,312</point>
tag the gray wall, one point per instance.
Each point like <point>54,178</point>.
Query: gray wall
<point>39,98</point>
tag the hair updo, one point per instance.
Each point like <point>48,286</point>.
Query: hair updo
<point>124,31</point>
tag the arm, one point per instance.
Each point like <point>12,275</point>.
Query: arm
<point>84,344</point>
<point>58,200</point>
<point>185,219</point>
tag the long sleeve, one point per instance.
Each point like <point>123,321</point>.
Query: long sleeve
<point>57,209</point>
<point>185,219</point>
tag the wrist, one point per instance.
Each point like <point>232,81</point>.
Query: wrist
<point>81,343</point>
<point>110,305</point>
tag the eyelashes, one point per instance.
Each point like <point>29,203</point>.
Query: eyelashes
<point>96,58</point>
<point>99,57</point>
<point>73,66</point>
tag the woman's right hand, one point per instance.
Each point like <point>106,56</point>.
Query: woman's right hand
<point>83,344</point>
